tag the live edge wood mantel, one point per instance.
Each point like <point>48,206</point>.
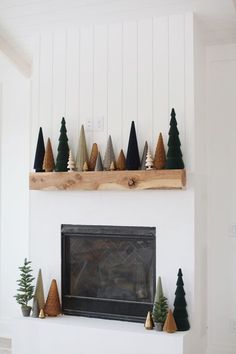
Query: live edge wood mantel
<point>108,180</point>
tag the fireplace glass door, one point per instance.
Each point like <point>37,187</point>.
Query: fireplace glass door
<point>108,271</point>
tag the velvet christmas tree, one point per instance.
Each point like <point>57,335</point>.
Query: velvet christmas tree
<point>132,157</point>
<point>62,150</point>
<point>180,312</point>
<point>39,154</point>
<point>174,154</point>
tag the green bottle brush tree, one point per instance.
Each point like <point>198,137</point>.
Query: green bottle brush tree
<point>25,291</point>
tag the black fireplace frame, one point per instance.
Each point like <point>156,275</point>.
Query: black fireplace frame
<point>132,311</point>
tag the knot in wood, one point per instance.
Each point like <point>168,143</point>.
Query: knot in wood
<point>131,182</point>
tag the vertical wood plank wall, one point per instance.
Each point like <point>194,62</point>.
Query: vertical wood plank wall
<point>118,72</point>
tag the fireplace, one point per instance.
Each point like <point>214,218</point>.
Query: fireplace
<point>108,271</point>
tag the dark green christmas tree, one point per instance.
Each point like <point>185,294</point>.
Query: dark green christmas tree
<point>132,157</point>
<point>180,312</point>
<point>63,149</point>
<point>39,154</point>
<point>174,154</point>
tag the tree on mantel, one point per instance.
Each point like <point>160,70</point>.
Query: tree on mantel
<point>174,154</point>
<point>39,154</point>
<point>63,149</point>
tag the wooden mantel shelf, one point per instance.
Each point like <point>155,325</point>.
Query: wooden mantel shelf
<point>108,180</point>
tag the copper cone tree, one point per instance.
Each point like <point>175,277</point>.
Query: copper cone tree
<point>120,164</point>
<point>170,325</point>
<point>53,306</point>
<point>93,157</point>
<point>159,161</point>
<point>48,161</point>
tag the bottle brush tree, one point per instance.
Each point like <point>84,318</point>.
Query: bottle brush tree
<point>160,307</point>
<point>25,290</point>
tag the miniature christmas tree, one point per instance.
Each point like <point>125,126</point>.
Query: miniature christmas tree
<point>39,292</point>
<point>160,154</point>
<point>109,155</point>
<point>132,157</point>
<point>53,306</point>
<point>120,163</point>
<point>82,153</point>
<point>93,157</point>
<point>174,154</point>
<point>180,312</point>
<point>39,154</point>
<point>63,149</point>
<point>25,291</point>
<point>48,161</point>
<point>160,307</point>
<point>170,325</point>
<point>71,162</point>
<point>144,156</point>
<point>99,166</point>
<point>149,161</point>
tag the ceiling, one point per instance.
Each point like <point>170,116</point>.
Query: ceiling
<point>20,20</point>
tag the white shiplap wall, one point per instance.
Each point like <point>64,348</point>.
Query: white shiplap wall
<point>121,72</point>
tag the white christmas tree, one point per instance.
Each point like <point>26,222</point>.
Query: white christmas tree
<point>71,162</point>
<point>149,161</point>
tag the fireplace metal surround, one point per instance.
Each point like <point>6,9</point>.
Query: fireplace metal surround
<point>108,271</point>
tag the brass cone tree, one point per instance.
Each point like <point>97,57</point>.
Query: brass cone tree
<point>53,306</point>
<point>39,292</point>
<point>149,321</point>
<point>48,161</point>
<point>170,325</point>
<point>120,164</point>
<point>82,153</point>
<point>93,157</point>
<point>159,161</point>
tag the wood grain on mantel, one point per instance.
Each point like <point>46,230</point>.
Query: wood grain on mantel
<point>108,180</point>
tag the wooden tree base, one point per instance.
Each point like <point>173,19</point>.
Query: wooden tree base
<point>108,180</point>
